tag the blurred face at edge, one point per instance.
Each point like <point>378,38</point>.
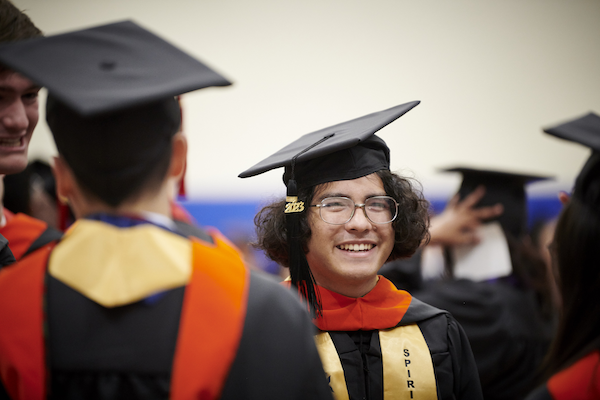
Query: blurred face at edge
<point>18,117</point>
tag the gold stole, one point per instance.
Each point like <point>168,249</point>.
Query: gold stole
<point>407,365</point>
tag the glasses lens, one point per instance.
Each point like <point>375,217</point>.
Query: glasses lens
<point>381,209</point>
<point>336,210</point>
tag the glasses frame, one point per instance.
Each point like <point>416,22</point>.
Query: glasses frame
<point>363,205</point>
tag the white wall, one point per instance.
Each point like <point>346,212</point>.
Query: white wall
<point>489,74</point>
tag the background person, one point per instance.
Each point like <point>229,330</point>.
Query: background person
<point>30,209</point>
<point>497,288</point>
<point>33,192</point>
<point>572,370</point>
<point>344,216</point>
<point>125,305</point>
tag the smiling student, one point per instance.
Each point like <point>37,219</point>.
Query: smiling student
<point>344,216</point>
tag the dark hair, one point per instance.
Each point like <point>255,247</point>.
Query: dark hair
<point>119,156</point>
<point>531,273</point>
<point>15,25</point>
<point>131,187</point>
<point>577,261</point>
<point>411,226</point>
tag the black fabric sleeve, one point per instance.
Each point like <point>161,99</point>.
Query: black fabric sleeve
<point>6,256</point>
<point>3,394</point>
<point>541,393</point>
<point>466,377</point>
<point>277,357</point>
<point>455,369</point>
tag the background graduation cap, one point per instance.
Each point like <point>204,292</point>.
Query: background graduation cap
<point>111,105</point>
<point>584,130</point>
<point>501,187</point>
<point>348,150</point>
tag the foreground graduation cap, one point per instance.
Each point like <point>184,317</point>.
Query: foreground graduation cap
<point>108,67</point>
<point>348,150</point>
<point>111,105</point>
<point>584,130</point>
<point>501,187</point>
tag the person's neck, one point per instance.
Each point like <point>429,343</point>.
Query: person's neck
<point>354,289</point>
<point>130,209</point>
<point>155,203</point>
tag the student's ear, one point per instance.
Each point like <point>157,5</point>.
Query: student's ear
<point>64,179</point>
<point>178,156</point>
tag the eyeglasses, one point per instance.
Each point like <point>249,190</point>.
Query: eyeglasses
<point>340,210</point>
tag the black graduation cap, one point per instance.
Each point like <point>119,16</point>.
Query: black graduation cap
<point>344,151</point>
<point>111,105</point>
<point>584,130</point>
<point>348,150</point>
<point>506,188</point>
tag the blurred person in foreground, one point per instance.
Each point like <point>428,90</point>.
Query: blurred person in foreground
<point>18,118</point>
<point>125,306</point>
<point>497,288</point>
<point>344,216</point>
<point>572,368</point>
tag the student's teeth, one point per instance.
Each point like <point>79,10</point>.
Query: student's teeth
<point>356,247</point>
<point>10,142</point>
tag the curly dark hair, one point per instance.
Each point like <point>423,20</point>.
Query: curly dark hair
<point>411,226</point>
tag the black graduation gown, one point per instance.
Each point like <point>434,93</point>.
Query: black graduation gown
<point>508,335</point>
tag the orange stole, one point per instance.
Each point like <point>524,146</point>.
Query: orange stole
<point>22,352</point>
<point>382,308</point>
<point>212,320</point>
<point>579,381</point>
<point>21,231</point>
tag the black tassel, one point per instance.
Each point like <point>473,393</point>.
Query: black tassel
<point>302,277</point>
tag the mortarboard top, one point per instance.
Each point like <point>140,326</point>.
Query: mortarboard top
<point>584,130</point>
<point>347,150</point>
<point>108,67</point>
<point>502,187</point>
